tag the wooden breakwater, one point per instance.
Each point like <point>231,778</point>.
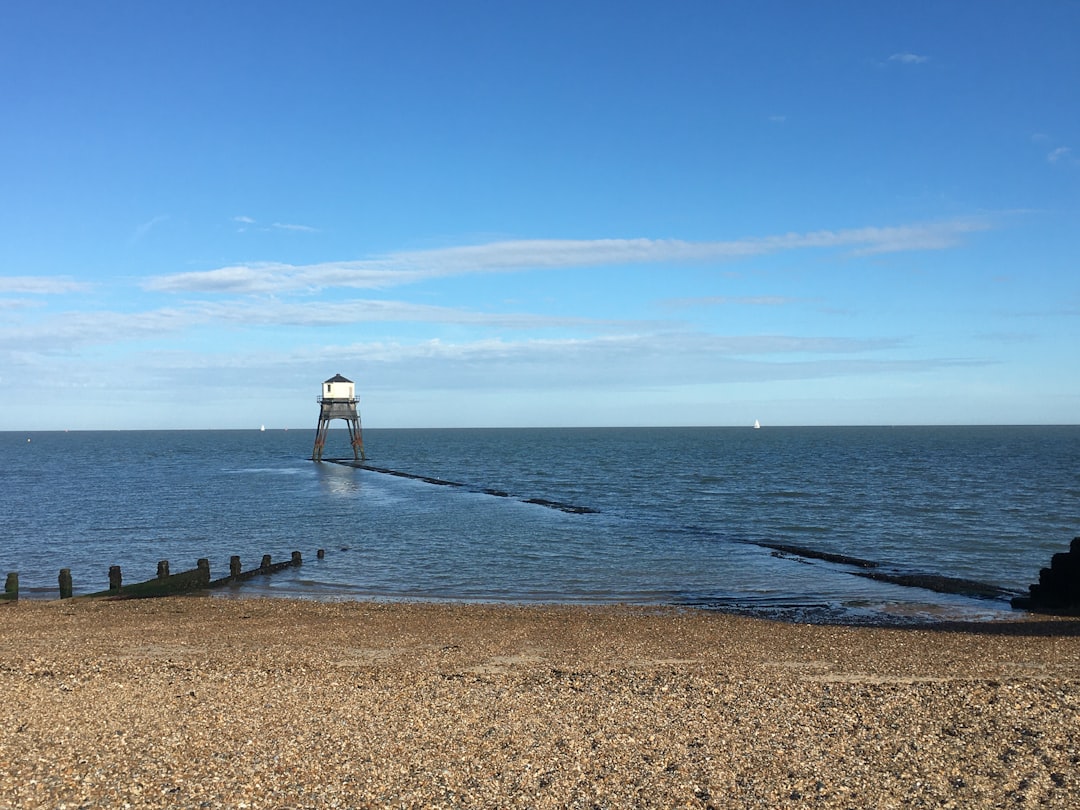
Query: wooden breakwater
<point>498,493</point>
<point>166,583</point>
<point>1058,588</point>
<point>11,588</point>
<point>871,569</point>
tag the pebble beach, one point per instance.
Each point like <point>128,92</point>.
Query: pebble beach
<point>194,702</point>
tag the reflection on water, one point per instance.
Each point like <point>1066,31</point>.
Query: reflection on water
<point>336,480</point>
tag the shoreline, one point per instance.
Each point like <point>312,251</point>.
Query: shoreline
<point>898,615</point>
<point>267,702</point>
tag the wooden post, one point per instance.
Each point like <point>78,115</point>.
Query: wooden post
<point>234,566</point>
<point>203,565</point>
<point>11,586</point>
<point>296,558</point>
<point>65,583</point>
<point>265,562</point>
<point>163,569</point>
<point>320,553</point>
<point>115,577</point>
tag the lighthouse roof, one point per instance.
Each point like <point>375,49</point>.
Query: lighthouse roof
<point>338,378</point>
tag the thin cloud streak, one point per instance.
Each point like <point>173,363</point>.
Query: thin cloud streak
<point>18,303</point>
<point>41,285</point>
<point>145,228</point>
<point>361,311</point>
<point>631,362</point>
<point>1063,154</point>
<point>723,300</point>
<point>72,329</point>
<point>909,58</point>
<point>609,363</point>
<point>476,371</point>
<point>409,267</point>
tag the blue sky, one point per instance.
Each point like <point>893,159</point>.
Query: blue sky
<point>534,214</point>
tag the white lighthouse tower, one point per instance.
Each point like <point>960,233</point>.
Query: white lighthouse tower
<point>338,401</point>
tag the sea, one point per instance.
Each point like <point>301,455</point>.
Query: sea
<point>783,522</point>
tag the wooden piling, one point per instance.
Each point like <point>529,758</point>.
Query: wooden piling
<point>11,586</point>
<point>1058,588</point>
<point>65,583</point>
<point>169,584</point>
<point>321,553</point>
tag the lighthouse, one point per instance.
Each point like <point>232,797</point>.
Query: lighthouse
<point>338,401</point>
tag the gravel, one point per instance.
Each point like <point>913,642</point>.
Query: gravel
<point>194,702</point>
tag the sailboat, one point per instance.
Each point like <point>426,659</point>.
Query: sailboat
<point>757,425</point>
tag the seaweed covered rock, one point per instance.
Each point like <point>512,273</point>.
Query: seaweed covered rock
<point>1058,588</point>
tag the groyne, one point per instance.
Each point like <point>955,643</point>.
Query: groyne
<point>498,493</point>
<point>1058,588</point>
<point>165,583</point>
<point>872,569</point>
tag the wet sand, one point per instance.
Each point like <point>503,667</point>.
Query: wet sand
<point>208,702</point>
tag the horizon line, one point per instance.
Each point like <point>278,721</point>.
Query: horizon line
<point>738,426</point>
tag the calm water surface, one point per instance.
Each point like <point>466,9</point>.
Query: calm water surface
<point>678,513</point>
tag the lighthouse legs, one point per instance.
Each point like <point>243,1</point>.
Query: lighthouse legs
<point>357,439</point>
<point>320,439</point>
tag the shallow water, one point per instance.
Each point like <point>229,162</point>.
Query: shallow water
<point>678,511</point>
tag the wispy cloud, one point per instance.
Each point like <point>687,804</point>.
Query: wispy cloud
<point>73,329</point>
<point>321,313</point>
<point>142,230</point>
<point>1063,155</point>
<point>12,304</point>
<point>723,300</point>
<point>245,223</point>
<point>602,362</point>
<point>601,365</point>
<point>611,362</point>
<point>41,285</point>
<point>249,223</point>
<point>412,266</point>
<point>909,58</point>
<point>1007,337</point>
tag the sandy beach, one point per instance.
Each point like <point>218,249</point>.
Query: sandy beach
<point>210,702</point>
